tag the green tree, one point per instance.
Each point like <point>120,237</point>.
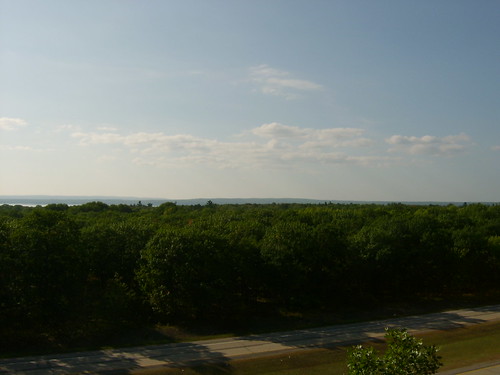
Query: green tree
<point>185,273</point>
<point>111,251</point>
<point>288,250</point>
<point>45,275</point>
<point>405,355</point>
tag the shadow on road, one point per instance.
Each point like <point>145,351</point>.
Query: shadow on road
<point>213,356</point>
<point>349,334</point>
<point>116,361</point>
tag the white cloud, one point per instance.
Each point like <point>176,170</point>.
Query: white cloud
<point>276,145</point>
<point>495,148</point>
<point>277,130</point>
<point>265,70</point>
<point>98,138</point>
<point>107,128</point>
<point>67,127</point>
<point>107,158</point>
<point>298,84</point>
<point>141,138</point>
<point>9,123</point>
<point>16,148</point>
<point>21,148</point>
<point>276,82</point>
<point>353,143</point>
<point>429,145</point>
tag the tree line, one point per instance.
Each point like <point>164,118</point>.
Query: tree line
<point>81,270</point>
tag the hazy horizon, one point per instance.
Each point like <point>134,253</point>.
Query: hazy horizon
<point>35,200</point>
<point>327,100</point>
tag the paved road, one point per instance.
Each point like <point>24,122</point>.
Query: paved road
<point>492,368</point>
<point>221,350</point>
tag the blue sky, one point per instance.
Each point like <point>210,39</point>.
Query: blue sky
<point>334,100</point>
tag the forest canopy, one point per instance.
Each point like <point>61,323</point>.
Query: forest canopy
<point>95,266</point>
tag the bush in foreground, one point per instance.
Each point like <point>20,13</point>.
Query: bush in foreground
<point>405,355</point>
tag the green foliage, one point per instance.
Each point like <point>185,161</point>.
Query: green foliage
<point>188,273</point>
<point>494,247</point>
<point>99,265</point>
<point>45,271</point>
<point>405,355</point>
<point>364,361</point>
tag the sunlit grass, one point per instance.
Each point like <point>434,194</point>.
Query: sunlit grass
<point>466,346</point>
<point>458,348</point>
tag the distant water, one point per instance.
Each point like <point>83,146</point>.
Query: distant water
<point>43,200</point>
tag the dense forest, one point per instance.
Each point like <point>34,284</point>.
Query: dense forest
<point>71,271</point>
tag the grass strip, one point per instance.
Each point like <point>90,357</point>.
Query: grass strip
<point>458,348</point>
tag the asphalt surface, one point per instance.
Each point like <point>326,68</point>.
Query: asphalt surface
<point>491,368</point>
<point>224,350</point>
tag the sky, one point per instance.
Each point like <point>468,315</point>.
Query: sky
<point>388,100</point>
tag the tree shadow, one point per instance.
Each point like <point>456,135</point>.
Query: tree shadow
<point>213,356</point>
<point>116,361</point>
<point>349,334</point>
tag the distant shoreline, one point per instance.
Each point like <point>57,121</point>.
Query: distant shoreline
<point>43,200</point>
